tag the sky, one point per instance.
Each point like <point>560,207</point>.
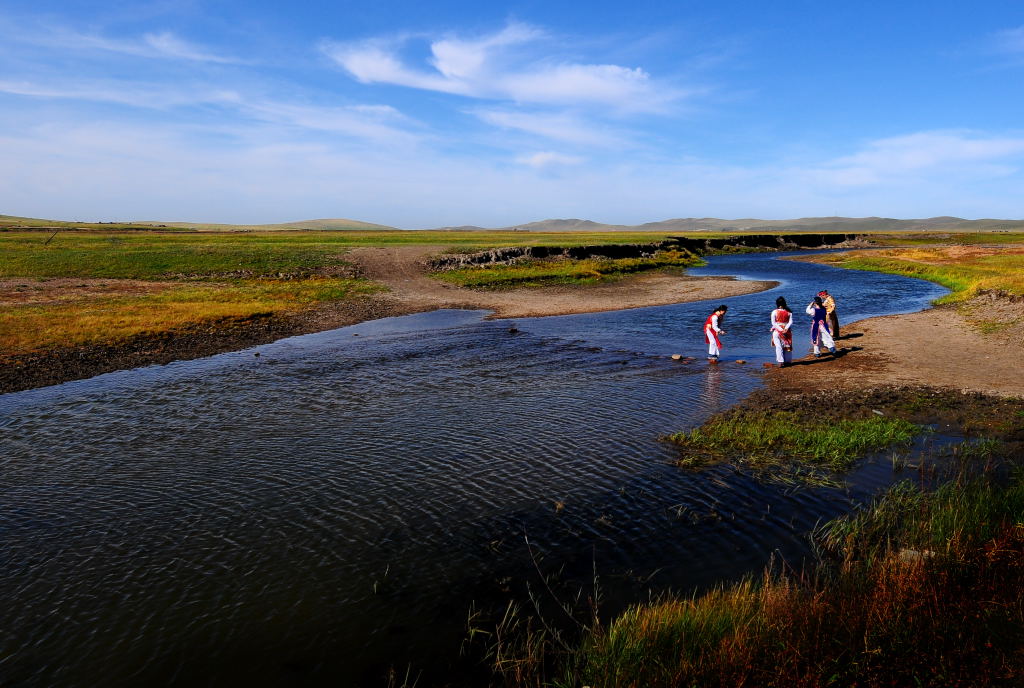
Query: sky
<point>446,113</point>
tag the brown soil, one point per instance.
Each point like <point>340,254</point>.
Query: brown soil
<point>403,269</point>
<point>975,347</point>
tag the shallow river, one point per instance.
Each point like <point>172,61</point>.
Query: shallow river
<point>333,506</point>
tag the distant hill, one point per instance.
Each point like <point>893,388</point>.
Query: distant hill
<point>327,224</point>
<point>690,224</point>
<point>805,224</point>
<point>13,221</point>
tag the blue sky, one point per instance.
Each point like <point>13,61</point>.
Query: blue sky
<point>449,113</point>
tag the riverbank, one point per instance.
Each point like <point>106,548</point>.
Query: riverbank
<point>402,270</point>
<point>970,341</point>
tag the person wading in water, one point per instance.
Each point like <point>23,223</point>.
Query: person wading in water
<point>713,328</point>
<point>782,337</point>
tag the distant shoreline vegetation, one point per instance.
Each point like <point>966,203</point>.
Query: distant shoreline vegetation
<point>542,273</point>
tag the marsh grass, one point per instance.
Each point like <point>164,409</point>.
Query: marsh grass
<point>924,588</point>
<point>538,273</point>
<point>782,438</point>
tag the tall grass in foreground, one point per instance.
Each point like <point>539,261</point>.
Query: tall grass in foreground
<point>927,590</point>
<point>537,273</point>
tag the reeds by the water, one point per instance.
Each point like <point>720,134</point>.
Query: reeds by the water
<point>922,588</point>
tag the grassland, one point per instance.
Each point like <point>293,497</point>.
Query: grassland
<point>198,277</point>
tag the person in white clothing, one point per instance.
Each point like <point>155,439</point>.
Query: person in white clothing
<point>713,328</point>
<point>782,337</point>
<point>820,333</point>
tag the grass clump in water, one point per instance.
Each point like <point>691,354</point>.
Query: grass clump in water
<point>541,273</point>
<point>763,439</point>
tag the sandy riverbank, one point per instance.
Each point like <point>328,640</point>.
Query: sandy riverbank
<point>945,346</point>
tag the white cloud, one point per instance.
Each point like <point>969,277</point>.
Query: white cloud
<point>548,159</point>
<point>487,68</point>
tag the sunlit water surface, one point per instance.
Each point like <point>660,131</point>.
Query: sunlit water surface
<point>332,507</point>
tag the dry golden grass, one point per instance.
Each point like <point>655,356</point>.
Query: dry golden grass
<point>108,319</point>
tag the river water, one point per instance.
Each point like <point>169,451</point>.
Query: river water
<point>334,505</point>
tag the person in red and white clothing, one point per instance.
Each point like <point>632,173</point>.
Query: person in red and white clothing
<point>713,328</point>
<point>782,337</point>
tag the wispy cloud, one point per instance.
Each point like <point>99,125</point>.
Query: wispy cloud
<point>925,153</point>
<point>161,45</point>
<point>1010,41</point>
<point>546,159</point>
<point>489,68</point>
<point>380,123</point>
<point>558,126</point>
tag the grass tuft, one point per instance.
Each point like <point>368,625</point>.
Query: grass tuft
<point>773,438</point>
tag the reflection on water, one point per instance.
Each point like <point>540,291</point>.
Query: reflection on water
<point>332,507</point>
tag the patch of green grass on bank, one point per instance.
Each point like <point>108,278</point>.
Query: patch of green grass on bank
<point>107,320</point>
<point>539,273</point>
<point>933,238</point>
<point>781,438</point>
<point>929,590</point>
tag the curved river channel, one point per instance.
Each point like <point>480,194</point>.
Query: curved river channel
<point>334,505</point>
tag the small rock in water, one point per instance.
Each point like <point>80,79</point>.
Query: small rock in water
<point>513,330</point>
<point>677,357</point>
<point>256,354</point>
